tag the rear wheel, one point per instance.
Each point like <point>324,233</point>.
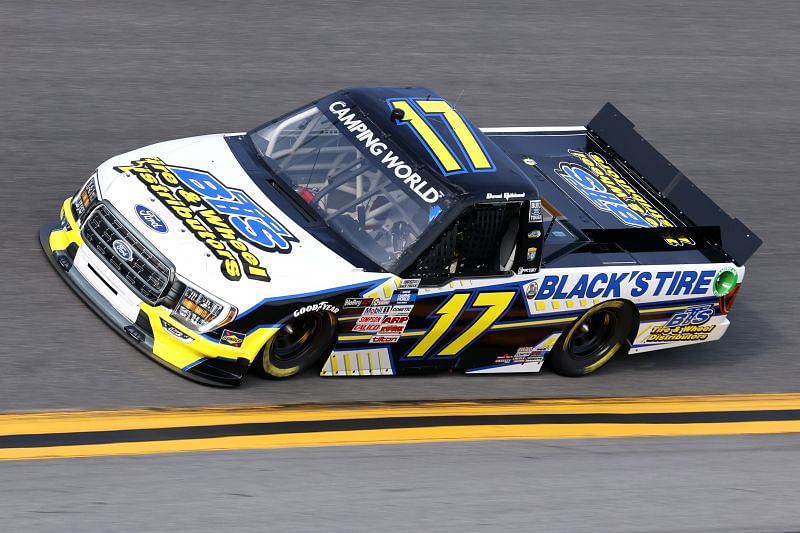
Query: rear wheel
<point>297,345</point>
<point>593,339</point>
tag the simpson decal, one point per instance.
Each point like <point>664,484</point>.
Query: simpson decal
<point>599,183</point>
<point>223,219</point>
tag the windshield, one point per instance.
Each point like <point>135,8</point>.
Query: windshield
<point>371,209</point>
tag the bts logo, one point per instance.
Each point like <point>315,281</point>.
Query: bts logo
<point>692,316</point>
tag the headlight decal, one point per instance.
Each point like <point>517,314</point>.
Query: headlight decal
<point>197,310</point>
<point>85,197</point>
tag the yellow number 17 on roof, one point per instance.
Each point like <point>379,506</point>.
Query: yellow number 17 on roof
<point>418,114</point>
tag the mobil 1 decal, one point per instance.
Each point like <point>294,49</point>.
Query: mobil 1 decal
<point>226,220</point>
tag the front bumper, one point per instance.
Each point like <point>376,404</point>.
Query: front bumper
<point>191,355</point>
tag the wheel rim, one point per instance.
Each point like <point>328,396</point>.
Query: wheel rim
<point>294,338</point>
<point>593,335</point>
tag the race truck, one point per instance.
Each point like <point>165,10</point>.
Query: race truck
<point>378,232</point>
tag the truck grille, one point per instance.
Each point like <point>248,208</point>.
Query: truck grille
<point>139,265</point>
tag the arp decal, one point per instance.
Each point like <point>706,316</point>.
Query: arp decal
<point>617,284</point>
<point>219,217</point>
<point>599,183</point>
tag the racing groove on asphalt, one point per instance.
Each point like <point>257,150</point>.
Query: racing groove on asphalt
<point>83,81</point>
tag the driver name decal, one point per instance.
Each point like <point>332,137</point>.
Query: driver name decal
<point>390,160</point>
<point>219,217</point>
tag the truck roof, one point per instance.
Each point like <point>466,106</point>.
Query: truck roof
<point>459,155</point>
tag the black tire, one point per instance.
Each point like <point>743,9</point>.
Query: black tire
<point>297,345</point>
<point>591,341</point>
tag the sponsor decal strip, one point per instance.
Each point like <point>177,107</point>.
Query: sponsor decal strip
<point>137,432</point>
<point>552,318</point>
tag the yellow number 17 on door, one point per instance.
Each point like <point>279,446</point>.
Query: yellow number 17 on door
<point>427,118</point>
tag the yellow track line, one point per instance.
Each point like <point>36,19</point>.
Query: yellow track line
<point>83,421</point>
<point>403,436</point>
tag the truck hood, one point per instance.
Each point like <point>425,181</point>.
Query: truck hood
<point>192,201</point>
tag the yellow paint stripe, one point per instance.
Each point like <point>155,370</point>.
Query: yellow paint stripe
<point>83,421</point>
<point>533,323</point>
<point>405,436</point>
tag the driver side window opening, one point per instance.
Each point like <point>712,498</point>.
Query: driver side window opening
<point>482,242</point>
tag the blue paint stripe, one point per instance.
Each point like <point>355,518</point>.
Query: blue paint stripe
<point>193,364</point>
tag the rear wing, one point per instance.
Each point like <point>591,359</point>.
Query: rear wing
<point>619,134</point>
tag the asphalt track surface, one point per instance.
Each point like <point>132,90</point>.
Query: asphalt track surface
<point>679,484</point>
<point>711,84</point>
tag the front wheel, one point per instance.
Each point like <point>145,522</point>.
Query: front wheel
<point>593,339</point>
<point>297,345</point>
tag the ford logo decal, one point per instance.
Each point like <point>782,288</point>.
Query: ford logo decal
<point>122,249</point>
<point>151,219</point>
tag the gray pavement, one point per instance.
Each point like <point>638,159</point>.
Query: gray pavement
<point>712,84</point>
<point>679,484</point>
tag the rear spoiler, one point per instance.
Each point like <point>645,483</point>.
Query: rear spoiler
<point>617,132</point>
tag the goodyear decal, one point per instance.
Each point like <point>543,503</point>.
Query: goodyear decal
<point>617,284</point>
<point>225,220</point>
<point>599,183</point>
